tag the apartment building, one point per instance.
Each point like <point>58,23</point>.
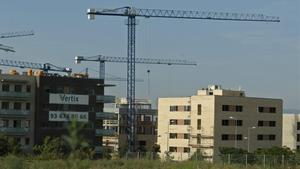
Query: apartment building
<point>146,125</point>
<point>17,98</point>
<point>34,106</point>
<point>215,118</point>
<point>291,131</point>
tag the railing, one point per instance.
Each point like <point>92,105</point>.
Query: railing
<point>106,99</point>
<point>201,146</point>
<point>15,94</point>
<point>13,113</point>
<point>14,131</point>
<point>106,115</point>
<point>103,132</point>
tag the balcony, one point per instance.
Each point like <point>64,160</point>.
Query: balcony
<point>105,99</point>
<point>201,146</point>
<point>14,95</point>
<point>106,115</point>
<point>13,113</point>
<point>103,132</point>
<point>13,131</point>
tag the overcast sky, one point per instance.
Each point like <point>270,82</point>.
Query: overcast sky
<point>261,58</point>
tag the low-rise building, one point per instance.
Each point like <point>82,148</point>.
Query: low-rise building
<point>215,118</point>
<point>291,131</point>
<point>34,106</point>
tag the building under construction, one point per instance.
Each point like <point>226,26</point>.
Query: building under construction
<point>37,104</point>
<point>146,125</point>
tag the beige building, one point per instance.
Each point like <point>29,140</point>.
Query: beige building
<point>216,118</point>
<point>291,131</point>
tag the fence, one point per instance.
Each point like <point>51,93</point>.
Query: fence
<point>264,160</point>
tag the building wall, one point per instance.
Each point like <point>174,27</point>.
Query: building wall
<point>250,117</point>
<point>206,126</point>
<point>291,131</point>
<point>17,120</point>
<point>47,85</point>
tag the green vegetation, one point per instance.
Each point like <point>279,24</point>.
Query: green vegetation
<point>72,151</point>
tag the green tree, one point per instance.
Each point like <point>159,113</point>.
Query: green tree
<point>78,145</point>
<point>9,145</point>
<point>52,148</point>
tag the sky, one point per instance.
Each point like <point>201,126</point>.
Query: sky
<point>261,58</point>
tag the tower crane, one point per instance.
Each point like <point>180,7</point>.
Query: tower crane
<point>45,67</point>
<point>102,59</point>
<point>11,35</point>
<point>131,13</point>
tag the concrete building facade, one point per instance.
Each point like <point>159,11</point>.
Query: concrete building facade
<point>216,118</point>
<point>34,106</point>
<point>291,131</point>
<point>17,99</point>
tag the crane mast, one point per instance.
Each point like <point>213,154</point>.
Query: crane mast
<point>131,13</point>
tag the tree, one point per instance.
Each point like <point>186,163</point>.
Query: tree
<point>78,145</point>
<point>9,145</point>
<point>52,148</point>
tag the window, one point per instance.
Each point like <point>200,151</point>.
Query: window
<point>5,87</point>
<point>266,123</point>
<point>298,125</point>
<point>5,105</point>
<point>173,149</point>
<point>261,109</point>
<point>173,122</point>
<point>225,107</point>
<point>225,122</point>
<point>186,108</point>
<point>225,137</point>
<point>27,141</point>
<point>27,106</point>
<point>173,135</point>
<point>17,123</point>
<point>18,140</point>
<point>272,137</point>
<point>187,122</point>
<point>28,88</point>
<point>272,110</point>
<point>198,138</point>
<point>173,108</point>
<point>266,137</point>
<point>142,143</point>
<point>298,147</point>
<point>5,123</point>
<point>272,123</point>
<point>238,108</point>
<point>17,105</point>
<point>298,137</point>
<point>239,137</point>
<point>199,109</point>
<point>199,124</point>
<point>186,136</point>
<point>27,124</point>
<point>232,122</point>
<point>210,93</point>
<point>186,149</point>
<point>18,88</point>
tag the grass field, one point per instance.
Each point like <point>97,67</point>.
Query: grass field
<point>13,162</point>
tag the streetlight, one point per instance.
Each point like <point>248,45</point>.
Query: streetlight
<point>235,132</point>
<point>248,139</point>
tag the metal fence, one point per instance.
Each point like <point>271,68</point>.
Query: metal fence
<point>263,160</point>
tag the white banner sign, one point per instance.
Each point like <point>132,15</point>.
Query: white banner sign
<point>68,116</point>
<point>69,99</point>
